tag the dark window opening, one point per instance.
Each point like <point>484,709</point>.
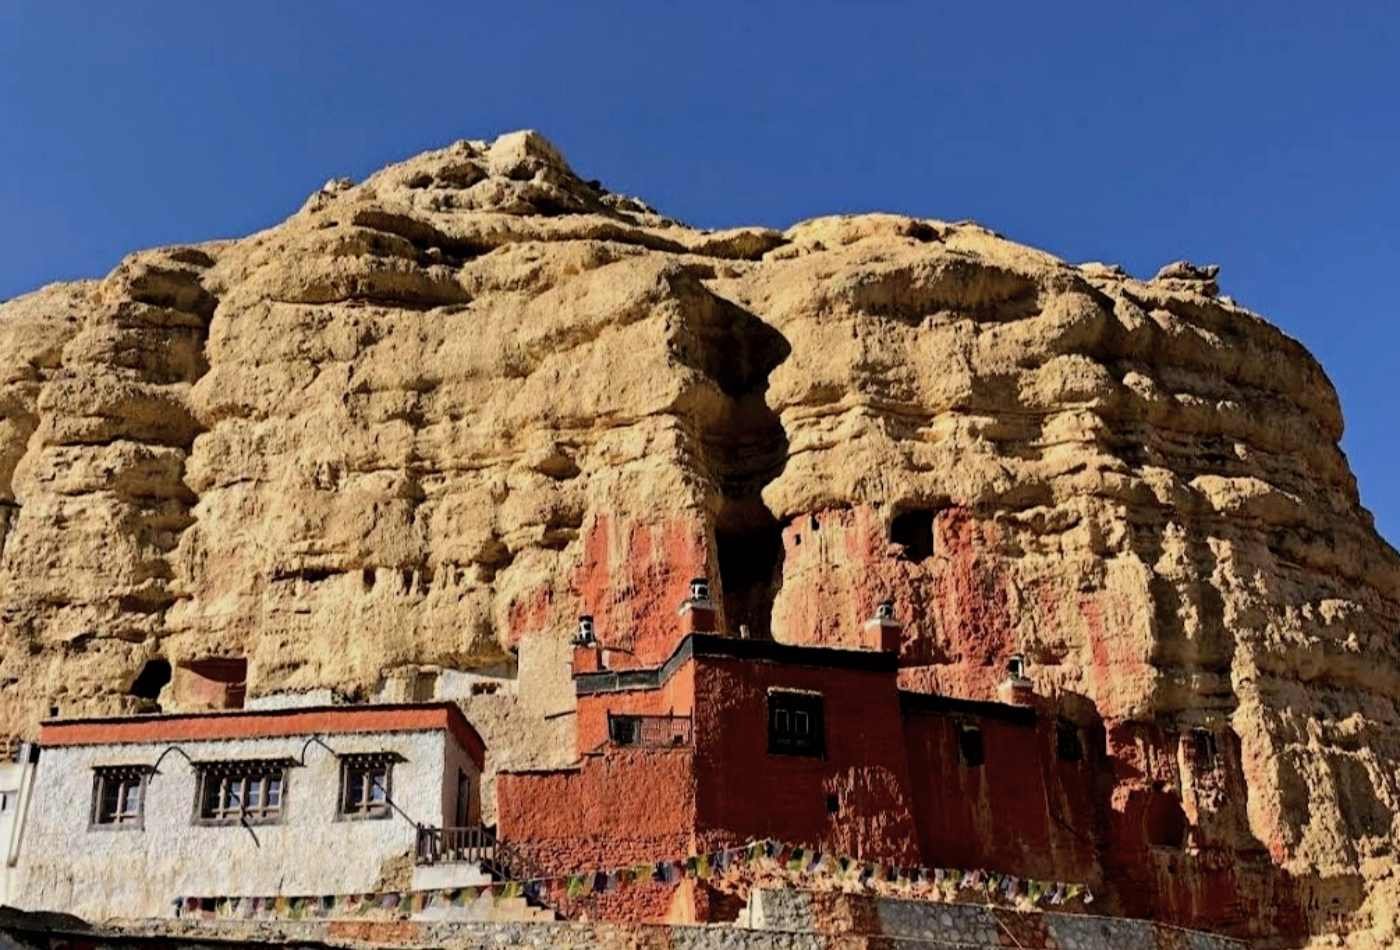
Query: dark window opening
<point>151,680</point>
<point>833,805</point>
<point>424,686</point>
<point>365,784</point>
<point>970,747</point>
<point>750,558</point>
<point>1203,749</point>
<point>1068,745</point>
<point>119,796</point>
<point>795,725</point>
<point>464,798</point>
<point>913,530</point>
<point>252,791</point>
<point>622,730</point>
<point>367,578</point>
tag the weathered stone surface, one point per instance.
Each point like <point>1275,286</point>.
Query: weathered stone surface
<point>434,416</point>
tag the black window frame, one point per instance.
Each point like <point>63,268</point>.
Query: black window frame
<point>786,709</point>
<point>624,730</point>
<point>355,769</point>
<point>215,795</point>
<point>123,778</point>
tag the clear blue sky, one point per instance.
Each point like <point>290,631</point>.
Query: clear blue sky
<point>1262,136</point>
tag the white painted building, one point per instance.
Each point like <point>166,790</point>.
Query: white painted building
<point>130,814</point>
<point>16,783</point>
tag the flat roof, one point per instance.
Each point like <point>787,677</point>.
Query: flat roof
<point>265,724</point>
<point>714,645</point>
<point>937,704</point>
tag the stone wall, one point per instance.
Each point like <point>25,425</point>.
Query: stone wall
<point>788,920</point>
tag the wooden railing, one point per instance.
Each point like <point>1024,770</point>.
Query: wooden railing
<point>446,845</point>
<point>497,858</point>
<point>648,732</point>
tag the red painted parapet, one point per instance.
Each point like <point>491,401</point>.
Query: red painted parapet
<point>588,659</point>
<point>882,632</point>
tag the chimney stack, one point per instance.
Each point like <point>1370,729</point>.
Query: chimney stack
<point>882,632</point>
<point>588,656</point>
<point>697,611</point>
<point>1016,688</point>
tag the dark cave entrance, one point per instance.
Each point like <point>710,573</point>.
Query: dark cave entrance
<point>151,680</point>
<point>750,551</point>
<point>913,531</point>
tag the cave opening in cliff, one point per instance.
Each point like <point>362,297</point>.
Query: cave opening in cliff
<point>1165,821</point>
<point>151,680</point>
<point>749,544</point>
<point>913,531</point>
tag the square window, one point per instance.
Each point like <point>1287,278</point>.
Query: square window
<point>118,796</point>
<point>795,724</point>
<point>241,791</point>
<point>623,730</point>
<point>365,783</point>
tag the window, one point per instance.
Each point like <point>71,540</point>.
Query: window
<point>464,799</point>
<point>1203,751</point>
<point>119,796</point>
<point>365,783</point>
<point>622,730</point>
<point>970,748</point>
<point>1068,747</point>
<point>4,801</point>
<point>254,791</point>
<point>795,724</point>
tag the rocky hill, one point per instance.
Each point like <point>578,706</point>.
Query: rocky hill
<point>434,416</point>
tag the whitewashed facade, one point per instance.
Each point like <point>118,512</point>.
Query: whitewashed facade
<point>17,761</point>
<point>124,819</point>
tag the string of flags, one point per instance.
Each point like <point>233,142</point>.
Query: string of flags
<point>806,862</point>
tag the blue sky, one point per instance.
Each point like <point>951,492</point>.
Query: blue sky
<point>1261,136</point>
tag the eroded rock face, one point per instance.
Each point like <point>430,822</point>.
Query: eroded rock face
<point>435,416</point>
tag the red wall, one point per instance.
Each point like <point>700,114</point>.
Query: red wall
<point>674,698</point>
<point>998,816</point>
<point>611,811</point>
<point>745,792</point>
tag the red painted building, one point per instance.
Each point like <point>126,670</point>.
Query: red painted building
<point>730,740</point>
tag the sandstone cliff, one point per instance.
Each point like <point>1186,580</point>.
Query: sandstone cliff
<point>434,416</point>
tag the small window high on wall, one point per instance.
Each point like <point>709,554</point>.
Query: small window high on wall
<point>795,725</point>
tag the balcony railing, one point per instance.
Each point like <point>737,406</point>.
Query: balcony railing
<point>446,845</point>
<point>648,732</point>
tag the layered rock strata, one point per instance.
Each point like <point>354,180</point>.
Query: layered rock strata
<point>432,417</point>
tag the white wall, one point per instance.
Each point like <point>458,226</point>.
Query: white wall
<point>16,784</point>
<point>99,874</point>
